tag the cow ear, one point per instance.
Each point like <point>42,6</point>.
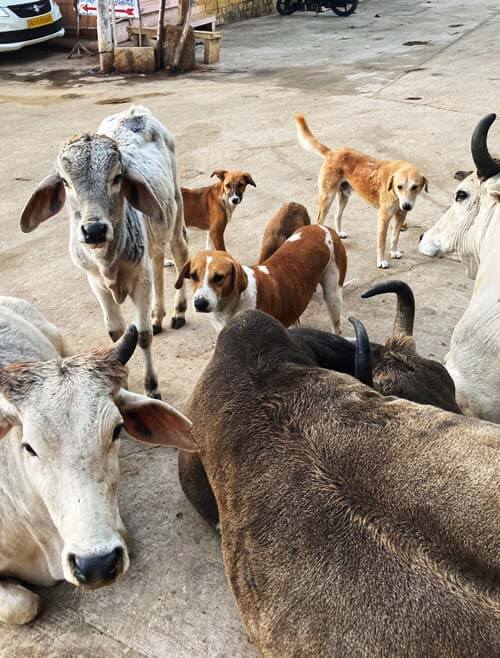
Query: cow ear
<point>8,416</point>
<point>45,202</point>
<point>183,274</point>
<point>460,175</point>
<point>220,173</point>
<point>139,194</point>
<point>154,421</point>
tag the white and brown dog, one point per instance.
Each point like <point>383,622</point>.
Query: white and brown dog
<point>282,286</point>
<point>392,186</point>
<point>210,208</point>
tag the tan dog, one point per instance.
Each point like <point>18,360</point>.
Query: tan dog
<point>392,186</point>
<point>282,286</point>
<point>210,208</point>
<point>289,218</point>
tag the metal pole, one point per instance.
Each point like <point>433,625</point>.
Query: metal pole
<point>104,36</point>
<point>113,24</point>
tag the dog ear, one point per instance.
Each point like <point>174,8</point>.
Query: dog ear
<point>240,279</point>
<point>391,180</point>
<point>185,273</point>
<point>249,180</point>
<point>460,175</point>
<point>220,173</point>
<point>425,184</point>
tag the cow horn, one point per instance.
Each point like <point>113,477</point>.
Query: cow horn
<point>124,348</point>
<point>405,311</point>
<point>363,355</point>
<point>485,164</point>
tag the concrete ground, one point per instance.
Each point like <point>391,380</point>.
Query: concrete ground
<point>399,79</point>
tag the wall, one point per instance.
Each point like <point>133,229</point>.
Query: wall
<point>228,11</point>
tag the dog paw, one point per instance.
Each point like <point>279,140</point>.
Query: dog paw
<point>395,254</point>
<point>383,264</point>
<point>168,262</point>
<point>178,322</point>
<point>343,235</point>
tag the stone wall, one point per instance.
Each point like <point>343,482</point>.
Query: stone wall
<point>229,11</point>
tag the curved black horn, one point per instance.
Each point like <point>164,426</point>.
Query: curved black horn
<point>363,355</point>
<point>124,348</point>
<point>405,311</point>
<point>485,165</point>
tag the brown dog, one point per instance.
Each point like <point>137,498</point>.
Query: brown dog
<point>282,286</point>
<point>289,218</point>
<point>210,208</point>
<point>392,186</point>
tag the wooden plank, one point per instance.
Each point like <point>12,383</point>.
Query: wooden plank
<point>207,36</point>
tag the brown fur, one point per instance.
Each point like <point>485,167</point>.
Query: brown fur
<point>352,524</point>
<point>208,208</point>
<point>375,181</point>
<point>289,218</point>
<point>294,272</point>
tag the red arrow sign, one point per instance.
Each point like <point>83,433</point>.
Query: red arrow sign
<point>129,11</point>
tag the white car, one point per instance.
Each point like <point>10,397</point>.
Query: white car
<point>24,23</point>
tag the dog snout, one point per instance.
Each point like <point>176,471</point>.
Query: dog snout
<point>94,232</point>
<point>97,570</point>
<point>235,200</point>
<point>201,304</point>
<point>406,206</point>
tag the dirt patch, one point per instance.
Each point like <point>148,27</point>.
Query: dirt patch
<point>416,43</point>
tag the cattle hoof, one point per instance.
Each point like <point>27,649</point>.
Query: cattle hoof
<point>396,254</point>
<point>404,226</point>
<point>383,264</point>
<point>178,322</point>
<point>115,335</point>
<point>156,329</point>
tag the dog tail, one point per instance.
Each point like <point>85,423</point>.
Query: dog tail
<point>306,139</point>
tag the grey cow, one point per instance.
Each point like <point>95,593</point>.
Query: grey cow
<point>125,204</point>
<point>61,418</point>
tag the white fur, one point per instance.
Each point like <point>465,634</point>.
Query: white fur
<point>247,300</point>
<point>328,239</point>
<point>263,268</point>
<point>470,228</point>
<point>294,237</point>
<point>205,291</point>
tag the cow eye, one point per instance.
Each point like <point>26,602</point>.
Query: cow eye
<point>117,431</point>
<point>461,195</point>
<point>218,278</point>
<point>195,277</point>
<point>117,179</point>
<point>29,449</point>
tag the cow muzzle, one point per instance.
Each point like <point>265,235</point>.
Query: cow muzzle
<point>96,233</point>
<point>97,570</point>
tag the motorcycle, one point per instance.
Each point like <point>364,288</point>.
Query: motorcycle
<point>339,7</point>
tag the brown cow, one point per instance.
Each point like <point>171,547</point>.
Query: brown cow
<point>352,524</point>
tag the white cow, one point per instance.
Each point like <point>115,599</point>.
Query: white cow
<point>470,228</point>
<point>61,418</point>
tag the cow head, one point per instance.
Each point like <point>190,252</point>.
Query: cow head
<point>460,230</point>
<point>69,416</point>
<point>90,174</point>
